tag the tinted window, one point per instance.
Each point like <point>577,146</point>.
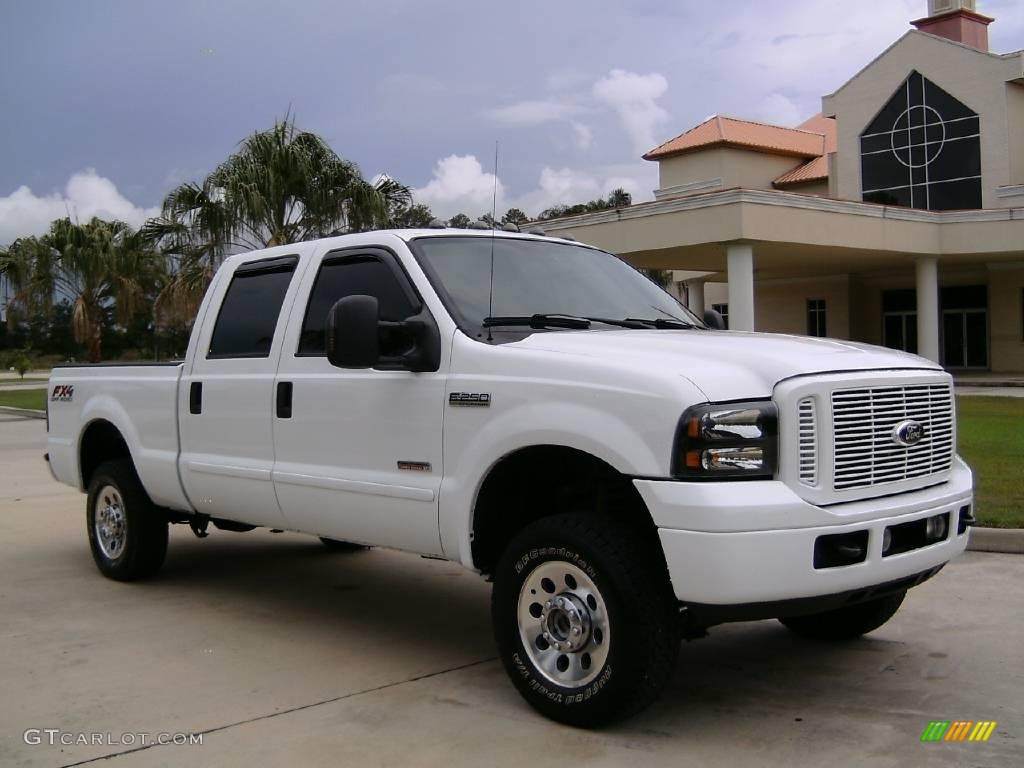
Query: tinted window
<point>922,150</point>
<point>251,306</point>
<point>351,276</point>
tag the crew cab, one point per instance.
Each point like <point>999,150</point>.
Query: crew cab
<point>626,473</point>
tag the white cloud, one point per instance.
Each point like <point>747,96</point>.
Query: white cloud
<point>779,110</point>
<point>583,135</point>
<point>459,184</point>
<point>634,98</point>
<point>87,194</point>
<point>534,112</point>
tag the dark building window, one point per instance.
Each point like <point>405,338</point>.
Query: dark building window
<point>923,150</point>
<point>816,318</point>
<point>723,310</point>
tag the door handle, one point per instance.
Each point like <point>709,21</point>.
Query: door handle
<point>284,399</point>
<point>195,397</point>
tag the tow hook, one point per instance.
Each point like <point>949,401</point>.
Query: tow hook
<point>199,524</point>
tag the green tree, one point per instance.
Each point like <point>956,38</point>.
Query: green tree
<point>459,221</point>
<point>282,186</point>
<point>619,198</point>
<point>487,219</point>
<point>515,216</point>
<point>101,269</point>
<point>414,216</point>
<point>22,362</point>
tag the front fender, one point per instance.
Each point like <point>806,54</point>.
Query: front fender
<point>471,454</point>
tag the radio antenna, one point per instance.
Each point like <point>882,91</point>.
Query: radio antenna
<point>494,206</point>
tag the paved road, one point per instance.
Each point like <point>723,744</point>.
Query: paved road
<point>285,654</point>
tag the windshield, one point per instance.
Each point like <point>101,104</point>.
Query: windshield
<point>536,277</point>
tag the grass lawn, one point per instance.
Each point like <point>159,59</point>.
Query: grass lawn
<point>991,440</point>
<point>24,398</point>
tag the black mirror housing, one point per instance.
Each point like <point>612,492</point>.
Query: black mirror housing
<point>352,332</point>
<point>714,320</point>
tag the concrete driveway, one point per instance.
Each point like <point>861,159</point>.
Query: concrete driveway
<point>281,653</point>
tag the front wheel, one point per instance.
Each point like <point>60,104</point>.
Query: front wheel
<point>846,623</point>
<point>585,619</point>
<point>127,533</point>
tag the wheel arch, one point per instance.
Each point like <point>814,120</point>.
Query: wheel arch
<point>542,480</point>
<point>100,441</point>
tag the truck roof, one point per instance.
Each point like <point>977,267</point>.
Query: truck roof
<point>406,235</point>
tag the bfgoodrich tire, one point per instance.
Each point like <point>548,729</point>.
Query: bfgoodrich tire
<point>127,533</point>
<point>585,619</point>
<point>846,623</point>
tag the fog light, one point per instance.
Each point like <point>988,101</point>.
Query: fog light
<point>886,541</point>
<point>936,528</point>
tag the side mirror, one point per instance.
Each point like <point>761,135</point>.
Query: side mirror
<point>713,319</point>
<point>352,332</point>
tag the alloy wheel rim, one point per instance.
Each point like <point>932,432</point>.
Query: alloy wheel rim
<point>110,522</point>
<point>563,624</point>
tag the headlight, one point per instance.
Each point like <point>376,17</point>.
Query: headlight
<point>727,440</point>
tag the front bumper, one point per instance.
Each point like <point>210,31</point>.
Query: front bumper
<point>737,543</point>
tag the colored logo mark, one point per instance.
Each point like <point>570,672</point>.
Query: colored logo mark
<point>958,730</point>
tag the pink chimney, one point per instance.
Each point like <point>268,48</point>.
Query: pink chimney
<point>956,20</point>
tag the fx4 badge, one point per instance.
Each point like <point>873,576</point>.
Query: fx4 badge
<point>482,399</point>
<point>63,392</point>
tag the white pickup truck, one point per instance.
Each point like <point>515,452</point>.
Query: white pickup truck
<point>626,473</point>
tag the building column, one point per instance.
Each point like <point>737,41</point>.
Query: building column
<point>695,296</point>
<point>927,271</point>
<point>740,265</point>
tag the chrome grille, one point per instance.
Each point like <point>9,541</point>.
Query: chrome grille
<point>863,421</point>
<point>808,427</point>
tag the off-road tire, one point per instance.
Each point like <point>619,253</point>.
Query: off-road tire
<point>846,623</point>
<point>137,548</point>
<point>641,612</point>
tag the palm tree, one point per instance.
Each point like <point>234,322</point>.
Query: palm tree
<point>282,186</point>
<point>96,267</point>
<point>619,198</point>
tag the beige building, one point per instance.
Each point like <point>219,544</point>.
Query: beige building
<point>895,217</point>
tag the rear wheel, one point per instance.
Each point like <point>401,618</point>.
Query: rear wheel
<point>846,623</point>
<point>585,619</point>
<point>127,532</point>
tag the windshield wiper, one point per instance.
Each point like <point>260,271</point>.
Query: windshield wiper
<point>662,322</point>
<point>538,321</point>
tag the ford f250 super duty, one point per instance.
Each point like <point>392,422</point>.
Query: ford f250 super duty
<point>626,473</point>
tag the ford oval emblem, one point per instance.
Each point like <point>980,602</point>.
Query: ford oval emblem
<point>908,433</point>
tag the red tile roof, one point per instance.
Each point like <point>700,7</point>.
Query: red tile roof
<point>746,134</point>
<point>815,169</point>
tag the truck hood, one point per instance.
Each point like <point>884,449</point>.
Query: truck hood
<point>724,365</point>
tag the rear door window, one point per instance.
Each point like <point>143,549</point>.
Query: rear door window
<point>251,308</point>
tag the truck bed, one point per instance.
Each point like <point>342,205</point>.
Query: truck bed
<point>140,400</point>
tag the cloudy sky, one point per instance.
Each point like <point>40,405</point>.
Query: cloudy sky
<point>109,103</point>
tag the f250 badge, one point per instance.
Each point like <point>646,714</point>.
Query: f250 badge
<point>63,393</point>
<point>481,399</point>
